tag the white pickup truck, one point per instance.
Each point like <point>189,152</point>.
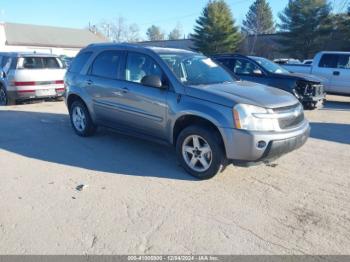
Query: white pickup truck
<point>332,67</point>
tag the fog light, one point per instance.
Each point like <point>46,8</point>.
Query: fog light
<point>261,144</point>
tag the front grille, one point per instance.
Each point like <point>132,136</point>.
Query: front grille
<point>291,116</point>
<point>290,122</point>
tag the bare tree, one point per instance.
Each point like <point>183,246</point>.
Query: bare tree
<point>176,33</point>
<point>133,34</point>
<point>118,30</point>
<point>154,33</point>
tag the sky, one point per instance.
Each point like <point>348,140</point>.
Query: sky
<point>79,13</point>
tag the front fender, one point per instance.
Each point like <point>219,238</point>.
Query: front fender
<point>218,115</point>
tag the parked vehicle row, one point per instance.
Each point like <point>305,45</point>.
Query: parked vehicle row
<point>306,88</point>
<point>332,67</point>
<point>183,99</point>
<point>28,76</point>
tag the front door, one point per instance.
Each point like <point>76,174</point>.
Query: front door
<point>144,107</point>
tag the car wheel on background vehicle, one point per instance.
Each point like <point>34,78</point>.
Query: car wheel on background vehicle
<point>59,99</point>
<point>81,119</point>
<point>4,99</point>
<point>200,152</point>
<point>310,105</point>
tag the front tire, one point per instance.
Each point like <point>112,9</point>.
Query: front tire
<point>200,152</point>
<point>81,120</point>
<point>310,105</point>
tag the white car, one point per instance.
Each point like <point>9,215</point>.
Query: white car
<point>333,67</point>
<point>26,76</point>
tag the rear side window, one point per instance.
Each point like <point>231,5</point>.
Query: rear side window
<point>6,63</point>
<point>40,63</point>
<point>107,64</point>
<point>335,61</point>
<point>329,61</point>
<point>343,61</point>
<point>78,63</point>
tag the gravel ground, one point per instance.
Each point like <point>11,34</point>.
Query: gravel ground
<point>135,199</point>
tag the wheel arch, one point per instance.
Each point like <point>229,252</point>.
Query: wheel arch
<point>189,119</point>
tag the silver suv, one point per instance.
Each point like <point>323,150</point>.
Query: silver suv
<point>29,75</point>
<point>184,99</point>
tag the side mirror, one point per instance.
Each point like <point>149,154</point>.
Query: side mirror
<point>257,72</point>
<point>153,81</point>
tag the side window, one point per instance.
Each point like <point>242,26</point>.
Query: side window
<point>78,63</point>
<point>329,61</point>
<point>229,63</point>
<point>107,64</point>
<point>245,67</point>
<point>139,66</point>
<point>344,62</point>
<point>6,63</point>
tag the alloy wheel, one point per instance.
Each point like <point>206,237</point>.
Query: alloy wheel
<point>197,153</point>
<point>79,118</point>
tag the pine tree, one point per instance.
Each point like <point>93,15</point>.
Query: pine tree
<point>305,25</point>
<point>259,19</point>
<point>215,31</point>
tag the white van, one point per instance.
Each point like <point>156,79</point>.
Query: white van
<point>26,76</point>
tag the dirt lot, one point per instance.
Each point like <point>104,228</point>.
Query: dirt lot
<point>138,201</point>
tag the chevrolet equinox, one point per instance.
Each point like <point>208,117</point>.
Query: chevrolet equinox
<point>185,99</point>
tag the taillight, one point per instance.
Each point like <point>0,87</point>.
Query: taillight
<point>24,83</point>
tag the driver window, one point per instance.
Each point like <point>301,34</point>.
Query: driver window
<point>139,65</point>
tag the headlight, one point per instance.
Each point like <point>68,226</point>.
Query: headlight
<point>254,118</point>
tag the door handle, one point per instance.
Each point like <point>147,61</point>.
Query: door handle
<point>125,90</point>
<point>336,73</point>
<point>89,82</point>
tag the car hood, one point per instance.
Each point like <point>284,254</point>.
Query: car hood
<point>244,92</point>
<point>300,76</point>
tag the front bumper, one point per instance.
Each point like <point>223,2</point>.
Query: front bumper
<point>315,99</point>
<point>242,146</point>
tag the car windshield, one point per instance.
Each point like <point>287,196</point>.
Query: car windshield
<point>195,69</point>
<point>270,66</point>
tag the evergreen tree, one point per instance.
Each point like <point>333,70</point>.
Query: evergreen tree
<point>154,33</point>
<point>215,31</point>
<point>305,25</point>
<point>259,19</point>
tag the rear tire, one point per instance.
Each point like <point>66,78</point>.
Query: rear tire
<point>200,151</point>
<point>81,120</point>
<point>4,98</point>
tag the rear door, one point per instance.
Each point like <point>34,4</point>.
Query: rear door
<point>325,69</point>
<point>341,75</point>
<point>105,86</point>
